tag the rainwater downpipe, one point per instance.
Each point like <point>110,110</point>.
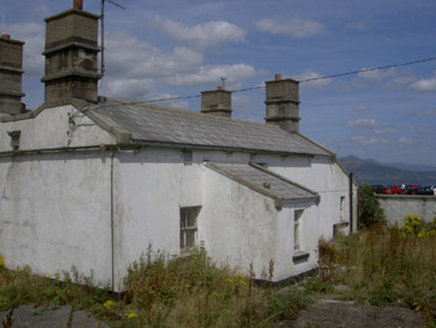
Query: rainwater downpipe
<point>112,222</point>
<point>351,203</point>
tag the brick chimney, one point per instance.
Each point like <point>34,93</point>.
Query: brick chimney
<point>71,49</point>
<point>217,102</point>
<point>282,101</point>
<point>11,71</point>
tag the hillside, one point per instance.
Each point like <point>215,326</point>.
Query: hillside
<point>372,172</point>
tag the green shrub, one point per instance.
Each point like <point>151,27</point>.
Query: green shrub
<point>370,214</point>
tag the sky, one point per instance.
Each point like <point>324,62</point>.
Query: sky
<point>159,49</point>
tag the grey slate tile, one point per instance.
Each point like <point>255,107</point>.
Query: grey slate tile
<point>166,125</point>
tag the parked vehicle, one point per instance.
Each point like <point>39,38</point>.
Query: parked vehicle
<point>378,189</point>
<point>397,190</point>
<point>425,191</point>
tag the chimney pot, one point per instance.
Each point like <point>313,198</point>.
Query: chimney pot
<point>6,36</point>
<point>78,4</point>
<point>278,77</point>
<point>219,87</point>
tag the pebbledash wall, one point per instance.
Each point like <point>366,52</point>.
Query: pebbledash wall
<point>396,207</point>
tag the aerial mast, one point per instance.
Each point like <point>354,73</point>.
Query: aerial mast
<point>102,69</point>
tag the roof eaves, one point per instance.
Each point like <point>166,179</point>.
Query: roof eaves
<point>253,151</point>
<point>331,153</point>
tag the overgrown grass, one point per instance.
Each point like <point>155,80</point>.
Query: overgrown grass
<point>380,266</point>
<point>189,292</point>
<point>385,266</point>
<point>21,286</point>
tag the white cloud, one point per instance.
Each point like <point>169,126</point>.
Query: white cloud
<point>209,75</point>
<point>202,36</point>
<point>366,141</point>
<point>362,123</point>
<point>141,90</point>
<point>33,34</point>
<point>359,25</point>
<point>309,75</point>
<point>385,131</point>
<point>428,113</point>
<point>401,81</point>
<point>405,141</point>
<point>131,89</point>
<point>129,57</point>
<point>425,84</point>
<point>293,27</point>
<point>360,108</point>
<point>376,74</point>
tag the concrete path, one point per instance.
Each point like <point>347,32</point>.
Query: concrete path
<point>27,316</point>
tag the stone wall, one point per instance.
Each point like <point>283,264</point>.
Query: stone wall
<point>396,207</point>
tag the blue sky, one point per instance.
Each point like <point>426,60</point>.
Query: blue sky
<point>167,48</point>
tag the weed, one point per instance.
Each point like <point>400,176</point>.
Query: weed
<point>390,266</point>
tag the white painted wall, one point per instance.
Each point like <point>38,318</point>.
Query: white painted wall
<point>326,177</point>
<point>150,188</point>
<point>51,129</point>
<point>55,210</point>
<point>309,229</point>
<point>396,207</point>
<point>240,229</point>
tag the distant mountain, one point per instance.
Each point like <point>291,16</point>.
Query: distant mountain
<point>401,166</point>
<point>370,172</point>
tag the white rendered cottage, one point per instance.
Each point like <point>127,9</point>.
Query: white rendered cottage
<point>92,182</point>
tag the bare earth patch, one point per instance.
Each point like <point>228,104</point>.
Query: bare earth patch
<point>333,314</point>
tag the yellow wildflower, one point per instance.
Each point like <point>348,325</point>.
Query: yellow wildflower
<point>132,315</point>
<point>47,275</point>
<point>25,267</point>
<point>238,276</point>
<point>230,281</point>
<point>2,261</point>
<point>108,305</point>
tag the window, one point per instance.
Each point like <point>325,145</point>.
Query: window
<point>298,214</point>
<point>15,139</point>
<point>188,227</point>
<point>342,209</point>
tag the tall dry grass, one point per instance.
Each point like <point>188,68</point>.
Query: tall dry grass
<point>387,266</point>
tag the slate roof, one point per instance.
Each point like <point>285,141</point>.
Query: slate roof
<point>151,124</point>
<point>265,181</point>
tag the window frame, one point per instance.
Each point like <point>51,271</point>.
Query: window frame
<point>188,231</point>
<point>298,220</point>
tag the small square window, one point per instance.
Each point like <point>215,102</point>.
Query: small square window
<point>15,139</point>
<point>188,227</point>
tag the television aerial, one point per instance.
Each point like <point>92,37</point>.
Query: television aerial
<point>102,69</point>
